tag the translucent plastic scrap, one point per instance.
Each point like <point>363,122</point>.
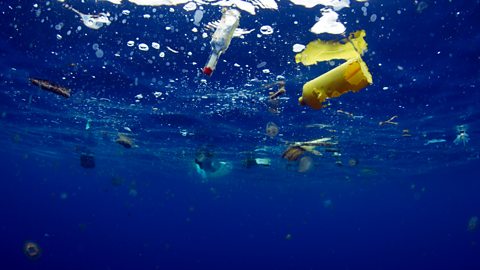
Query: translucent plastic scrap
<point>249,6</point>
<point>239,32</point>
<point>337,4</point>
<point>124,140</point>
<point>328,23</point>
<point>472,224</point>
<point>271,130</point>
<point>116,2</point>
<point>159,2</point>
<point>92,21</point>
<point>245,6</point>
<point>462,135</point>
<point>320,50</point>
<point>207,166</point>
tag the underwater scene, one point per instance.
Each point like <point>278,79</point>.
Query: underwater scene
<point>239,134</point>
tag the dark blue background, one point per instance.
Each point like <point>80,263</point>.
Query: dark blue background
<point>405,206</point>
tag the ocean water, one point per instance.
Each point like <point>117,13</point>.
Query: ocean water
<point>400,195</point>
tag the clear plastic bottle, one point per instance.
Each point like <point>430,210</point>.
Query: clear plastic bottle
<point>221,38</point>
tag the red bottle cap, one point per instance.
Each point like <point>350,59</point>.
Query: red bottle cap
<point>207,71</point>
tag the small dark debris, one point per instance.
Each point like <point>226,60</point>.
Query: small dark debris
<point>87,161</point>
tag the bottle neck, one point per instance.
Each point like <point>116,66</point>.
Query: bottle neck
<point>213,60</point>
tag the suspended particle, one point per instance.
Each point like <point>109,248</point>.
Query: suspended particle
<point>271,129</point>
<point>298,48</point>
<point>305,164</point>
<point>155,45</point>
<point>32,250</point>
<point>143,47</point>
<point>266,30</point>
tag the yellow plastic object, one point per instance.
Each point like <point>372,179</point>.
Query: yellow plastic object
<point>320,50</point>
<point>352,75</point>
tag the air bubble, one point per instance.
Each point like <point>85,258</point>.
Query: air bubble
<point>99,53</point>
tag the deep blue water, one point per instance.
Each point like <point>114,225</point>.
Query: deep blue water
<point>407,204</point>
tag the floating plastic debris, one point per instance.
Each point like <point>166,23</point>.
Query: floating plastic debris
<point>462,135</point>
<point>298,48</point>
<point>406,133</point>
<point>433,141</point>
<point>245,6</point>
<point>421,6</point>
<point>262,64</point>
<point>271,129</point>
<point>197,17</point>
<point>328,23</point>
<point>251,161</point>
<point>116,2</point>
<point>336,4</point>
<point>159,2</point>
<point>172,50</point>
<point>280,83</point>
<point>99,53</point>
<point>155,45</point>
<point>59,26</point>
<point>249,6</point>
<point>472,224</point>
<point>207,166</point>
<point>389,121</point>
<point>321,126</point>
<point>131,43</point>
<point>263,161</point>
<point>239,32</point>
<point>143,47</point>
<point>221,38</point>
<point>51,87</point>
<point>191,6</point>
<point>87,125</point>
<point>297,149</point>
<point>319,50</point>
<point>92,21</point>
<point>157,94</point>
<point>266,30</point>
<point>305,164</point>
<point>351,76</point>
<point>32,250</point>
<point>353,162</point>
<point>124,140</point>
